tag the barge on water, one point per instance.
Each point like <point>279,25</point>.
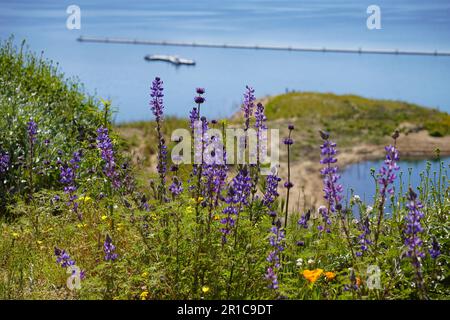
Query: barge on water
<point>172,59</point>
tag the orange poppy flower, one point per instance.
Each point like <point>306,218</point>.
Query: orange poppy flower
<point>330,275</point>
<point>312,275</point>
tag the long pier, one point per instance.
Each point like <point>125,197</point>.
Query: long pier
<point>262,47</point>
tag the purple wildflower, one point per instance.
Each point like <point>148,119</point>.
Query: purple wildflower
<point>199,100</point>
<point>304,219</point>
<point>412,232</point>
<point>386,179</point>
<point>105,145</point>
<point>157,107</point>
<point>272,277</point>
<point>288,184</point>
<point>276,240</point>
<point>4,162</point>
<point>237,196</point>
<point>332,189</point>
<point>387,171</point>
<point>261,135</point>
<point>200,90</point>
<point>363,238</point>
<point>67,177</point>
<point>249,104</point>
<point>63,258</point>
<point>413,227</point>
<point>32,131</point>
<point>214,170</point>
<point>326,219</point>
<point>156,102</point>
<point>176,188</point>
<point>271,192</point>
<point>109,249</point>
<point>435,251</point>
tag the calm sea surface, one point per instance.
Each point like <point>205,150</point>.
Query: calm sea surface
<point>120,73</point>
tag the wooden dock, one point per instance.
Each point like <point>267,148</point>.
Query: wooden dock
<point>264,47</point>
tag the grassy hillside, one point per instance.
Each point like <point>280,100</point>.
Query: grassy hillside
<point>354,118</point>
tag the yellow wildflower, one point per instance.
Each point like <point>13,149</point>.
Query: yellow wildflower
<point>144,295</point>
<point>216,217</point>
<point>205,289</point>
<point>39,242</point>
<point>104,217</point>
<point>144,274</point>
<point>312,275</point>
<point>189,210</point>
<point>15,235</point>
<point>85,199</point>
<point>330,275</point>
<point>81,225</point>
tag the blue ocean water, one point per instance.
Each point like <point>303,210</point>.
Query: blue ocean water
<point>357,177</point>
<point>120,73</point>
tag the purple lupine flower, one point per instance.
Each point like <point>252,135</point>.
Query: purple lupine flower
<point>387,171</point>
<point>260,118</point>
<point>386,179</point>
<point>414,227</point>
<point>193,116</point>
<point>4,162</point>
<point>363,238</point>
<point>261,146</point>
<point>176,188</point>
<point>63,258</point>
<point>200,90</point>
<point>32,131</point>
<point>67,177</point>
<point>412,232</point>
<point>237,196</point>
<point>109,249</point>
<point>214,169</point>
<point>271,192</point>
<point>435,251</point>
<point>288,184</point>
<point>248,106</point>
<point>199,100</point>
<point>157,107</point>
<point>304,219</point>
<point>332,189</point>
<point>272,277</point>
<point>105,145</point>
<point>326,219</point>
<point>156,102</point>
<point>276,241</point>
